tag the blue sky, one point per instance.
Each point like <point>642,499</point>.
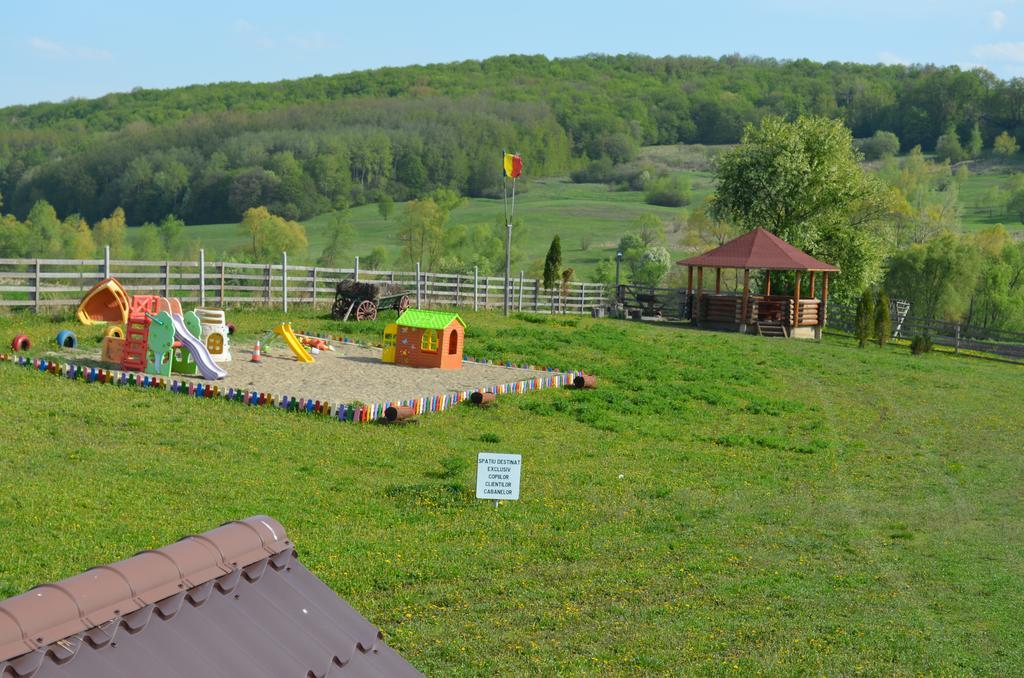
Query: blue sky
<point>51,50</point>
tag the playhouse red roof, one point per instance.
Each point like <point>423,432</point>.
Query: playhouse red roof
<point>762,250</point>
<point>234,601</point>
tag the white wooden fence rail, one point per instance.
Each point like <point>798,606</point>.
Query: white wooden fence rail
<point>46,283</point>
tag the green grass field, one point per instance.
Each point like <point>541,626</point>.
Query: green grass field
<point>549,207</point>
<point>721,504</point>
<point>580,212</point>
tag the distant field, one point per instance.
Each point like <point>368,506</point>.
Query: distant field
<point>576,212</point>
<point>548,207</point>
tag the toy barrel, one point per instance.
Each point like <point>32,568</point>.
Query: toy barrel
<point>115,331</point>
<point>584,381</point>
<point>67,339</point>
<point>481,398</point>
<point>21,343</point>
<point>398,413</point>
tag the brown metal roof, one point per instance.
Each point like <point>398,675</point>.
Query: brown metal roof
<point>759,249</point>
<point>234,601</point>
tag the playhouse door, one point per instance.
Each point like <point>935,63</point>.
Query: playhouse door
<point>388,345</point>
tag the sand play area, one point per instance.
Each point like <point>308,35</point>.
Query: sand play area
<point>347,374</point>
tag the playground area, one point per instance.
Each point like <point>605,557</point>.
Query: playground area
<point>349,373</point>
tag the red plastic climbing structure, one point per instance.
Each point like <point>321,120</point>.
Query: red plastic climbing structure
<point>133,359</point>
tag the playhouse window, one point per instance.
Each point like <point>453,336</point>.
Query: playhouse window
<point>389,339</point>
<point>215,344</point>
<point>429,342</point>
<point>453,343</point>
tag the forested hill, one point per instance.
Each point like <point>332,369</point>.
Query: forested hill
<point>207,152</point>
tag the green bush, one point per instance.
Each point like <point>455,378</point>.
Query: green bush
<point>922,343</point>
<point>883,322</point>
<point>865,317</point>
<point>669,191</point>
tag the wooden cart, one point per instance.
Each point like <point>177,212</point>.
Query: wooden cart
<point>365,299</point>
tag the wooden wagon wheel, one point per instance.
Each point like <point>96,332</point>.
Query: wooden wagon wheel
<point>403,304</point>
<point>339,308</point>
<point>366,310</point>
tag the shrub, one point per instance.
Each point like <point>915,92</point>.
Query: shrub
<point>865,317</point>
<point>880,145</point>
<point>883,322</point>
<point>922,343</point>
<point>670,191</point>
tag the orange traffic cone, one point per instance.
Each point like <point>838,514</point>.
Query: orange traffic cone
<point>256,354</point>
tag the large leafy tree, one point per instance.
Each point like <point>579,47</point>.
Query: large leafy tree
<point>802,180</point>
<point>269,234</point>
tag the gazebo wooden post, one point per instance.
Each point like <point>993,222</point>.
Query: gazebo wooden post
<point>718,281</point>
<point>696,297</point>
<point>767,283</point>
<point>689,289</point>
<point>796,303</point>
<point>746,297</point>
<point>812,284</point>
<point>823,306</point>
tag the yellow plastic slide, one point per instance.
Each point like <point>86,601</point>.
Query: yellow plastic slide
<point>284,330</point>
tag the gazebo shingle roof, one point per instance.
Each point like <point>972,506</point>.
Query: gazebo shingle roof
<point>762,250</point>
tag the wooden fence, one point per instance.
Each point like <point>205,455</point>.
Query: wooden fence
<point>45,283</point>
<point>959,337</point>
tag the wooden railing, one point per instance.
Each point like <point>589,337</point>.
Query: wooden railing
<point>47,283</point>
<point>727,309</point>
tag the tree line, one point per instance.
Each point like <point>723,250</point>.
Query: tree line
<point>210,152</point>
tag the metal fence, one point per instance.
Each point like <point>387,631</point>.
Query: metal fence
<point>44,283</point>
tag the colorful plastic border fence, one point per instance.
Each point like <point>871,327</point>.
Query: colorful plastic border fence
<point>347,412</point>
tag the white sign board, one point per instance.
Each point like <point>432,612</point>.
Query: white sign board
<point>497,475</point>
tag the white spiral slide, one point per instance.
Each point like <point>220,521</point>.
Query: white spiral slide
<point>204,361</point>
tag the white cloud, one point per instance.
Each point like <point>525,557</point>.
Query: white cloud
<point>243,26</point>
<point>310,41</point>
<point>998,19</point>
<point>62,51</point>
<point>1000,51</point>
<point>890,59</point>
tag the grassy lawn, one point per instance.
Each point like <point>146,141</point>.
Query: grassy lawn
<point>579,212</point>
<point>548,207</point>
<point>721,503</point>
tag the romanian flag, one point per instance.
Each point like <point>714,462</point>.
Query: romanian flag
<point>512,164</point>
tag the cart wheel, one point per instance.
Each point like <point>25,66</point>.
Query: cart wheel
<point>339,308</point>
<point>403,304</point>
<point>366,310</point>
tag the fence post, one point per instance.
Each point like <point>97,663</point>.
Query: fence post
<point>202,277</point>
<point>355,270</point>
<point>284,281</point>
<point>314,287</point>
<point>418,292</point>
<point>958,337</point>
<point>269,275</point>
<point>222,284</point>
<point>476,288</point>
<point>106,261</point>
<point>536,295</point>
<point>522,276</point>
<point>583,297</point>
<point>167,279</point>
<point>38,281</point>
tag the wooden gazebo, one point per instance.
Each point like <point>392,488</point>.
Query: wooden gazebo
<point>766,313</point>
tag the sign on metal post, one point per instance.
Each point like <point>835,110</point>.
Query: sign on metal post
<point>497,476</point>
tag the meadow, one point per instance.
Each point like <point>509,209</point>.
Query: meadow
<point>589,218</point>
<point>721,503</point>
